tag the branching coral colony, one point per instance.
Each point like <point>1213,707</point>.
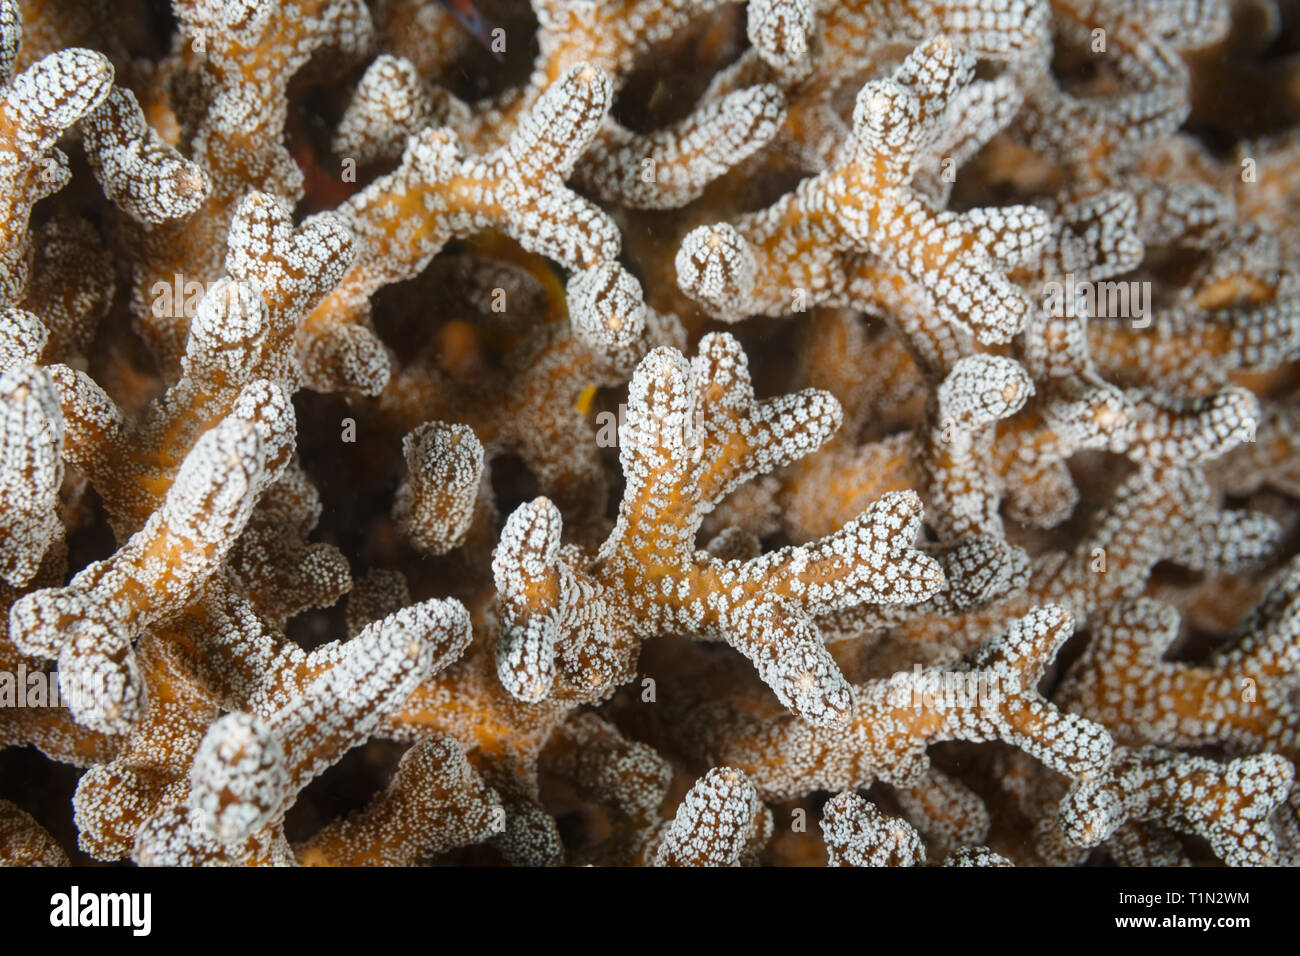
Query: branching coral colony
<point>879,413</point>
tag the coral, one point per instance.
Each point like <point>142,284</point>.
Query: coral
<point>694,432</point>
<point>617,430</point>
<point>24,843</point>
<point>1228,805</point>
<point>859,834</point>
<point>989,695</point>
<point>809,248</point>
